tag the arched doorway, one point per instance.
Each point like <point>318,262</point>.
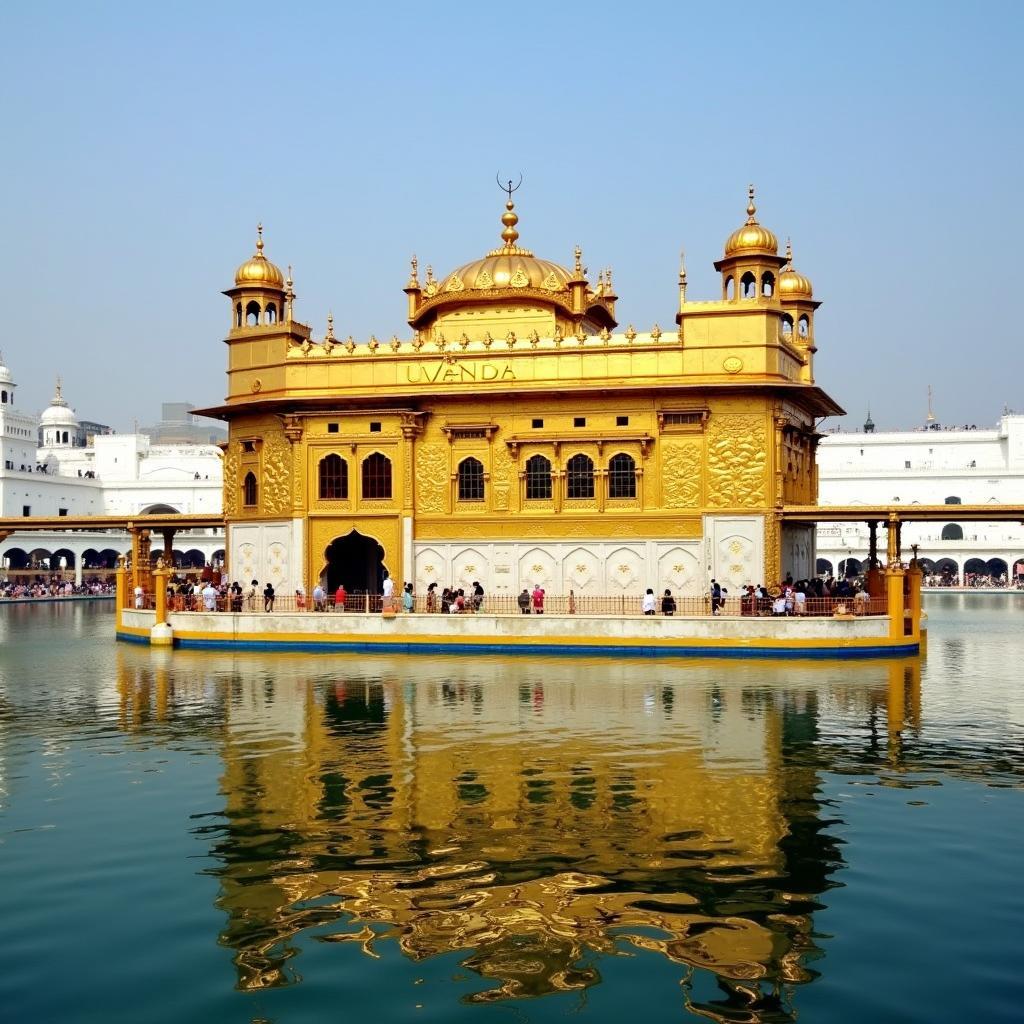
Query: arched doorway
<point>823,567</point>
<point>355,561</point>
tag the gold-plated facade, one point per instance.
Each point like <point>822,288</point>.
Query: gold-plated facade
<point>598,459</point>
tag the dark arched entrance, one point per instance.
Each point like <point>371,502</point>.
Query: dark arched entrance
<point>357,562</point>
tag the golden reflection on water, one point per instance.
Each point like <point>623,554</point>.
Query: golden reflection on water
<point>530,815</point>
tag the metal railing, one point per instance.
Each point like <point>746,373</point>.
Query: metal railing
<point>506,604</point>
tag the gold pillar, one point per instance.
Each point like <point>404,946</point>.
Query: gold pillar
<point>160,577</point>
<point>120,590</point>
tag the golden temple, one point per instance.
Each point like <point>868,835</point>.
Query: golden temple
<point>519,437</point>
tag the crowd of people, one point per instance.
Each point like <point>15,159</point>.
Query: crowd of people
<point>974,580</point>
<point>22,589</point>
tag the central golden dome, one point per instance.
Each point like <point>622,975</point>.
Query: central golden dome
<point>508,266</point>
<point>258,271</point>
<point>752,238</point>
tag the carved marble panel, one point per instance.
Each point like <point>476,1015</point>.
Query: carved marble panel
<point>624,569</point>
<point>582,571</point>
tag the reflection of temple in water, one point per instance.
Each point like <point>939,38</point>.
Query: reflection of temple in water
<point>525,813</point>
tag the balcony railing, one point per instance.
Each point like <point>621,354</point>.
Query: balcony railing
<point>561,605</point>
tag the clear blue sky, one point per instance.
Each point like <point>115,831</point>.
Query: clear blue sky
<point>142,142</point>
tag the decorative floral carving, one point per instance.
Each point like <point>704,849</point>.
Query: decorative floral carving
<point>680,473</point>
<point>230,497</point>
<point>431,477</point>
<point>736,461</point>
<point>484,280</point>
<point>277,473</point>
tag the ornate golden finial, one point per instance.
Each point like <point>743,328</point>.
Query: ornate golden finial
<point>510,339</point>
<point>630,333</point>
<point>373,344</point>
<point>789,255</point>
<point>682,268</point>
<point>259,239</point>
<point>488,340</point>
<point>510,219</point>
<point>578,266</point>
<point>288,282</point>
<point>414,281</point>
<point>558,336</point>
<point>655,332</point>
<point>350,344</point>
<point>329,336</point>
<point>751,208</point>
<point>395,343</point>
<point>58,397</point>
<point>608,281</point>
<point>464,341</point>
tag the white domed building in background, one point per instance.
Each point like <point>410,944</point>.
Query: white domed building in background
<point>58,425</point>
<point>54,466</point>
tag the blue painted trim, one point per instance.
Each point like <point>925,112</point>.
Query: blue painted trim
<point>131,638</point>
<point>605,650</point>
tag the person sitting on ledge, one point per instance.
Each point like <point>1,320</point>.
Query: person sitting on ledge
<point>668,604</point>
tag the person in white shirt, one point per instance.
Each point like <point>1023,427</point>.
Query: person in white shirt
<point>138,597</point>
<point>210,597</point>
<point>649,603</point>
<point>800,602</point>
<point>388,586</point>
<point>779,605</point>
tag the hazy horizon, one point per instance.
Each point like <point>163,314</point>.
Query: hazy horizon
<point>143,145</point>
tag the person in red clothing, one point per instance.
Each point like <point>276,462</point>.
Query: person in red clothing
<point>538,600</point>
<point>339,598</point>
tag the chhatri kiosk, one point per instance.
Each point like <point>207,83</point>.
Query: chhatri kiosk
<point>520,437</point>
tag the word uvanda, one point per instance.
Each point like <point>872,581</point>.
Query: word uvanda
<point>443,372</point>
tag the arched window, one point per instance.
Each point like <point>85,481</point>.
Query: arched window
<point>952,531</point>
<point>802,326</point>
<point>729,289</point>
<point>471,480</point>
<point>787,324</point>
<point>238,314</point>
<point>538,478</point>
<point>621,476</point>
<point>270,314</point>
<point>64,437</point>
<point>3,397</point>
<point>748,286</point>
<point>252,314</point>
<point>767,284</point>
<point>333,477</point>
<point>249,493</point>
<point>377,477</point>
<point>953,500</point>
<point>579,477</point>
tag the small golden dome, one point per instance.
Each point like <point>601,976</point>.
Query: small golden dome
<point>508,266</point>
<point>258,271</point>
<point>752,238</point>
<point>791,284</point>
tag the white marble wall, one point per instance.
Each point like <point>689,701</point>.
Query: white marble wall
<point>593,567</point>
<point>264,552</point>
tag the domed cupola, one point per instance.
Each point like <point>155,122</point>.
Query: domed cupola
<point>261,294</point>
<point>791,284</point>
<point>751,261</point>
<point>7,384</point>
<point>513,280</point>
<point>258,271</point>
<point>58,422</point>
<point>751,238</point>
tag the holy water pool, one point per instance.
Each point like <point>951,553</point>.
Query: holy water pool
<point>193,836</point>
